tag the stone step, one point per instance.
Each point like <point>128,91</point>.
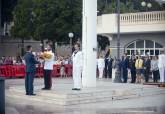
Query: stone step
<point>70,97</point>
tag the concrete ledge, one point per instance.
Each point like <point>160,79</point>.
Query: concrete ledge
<point>103,92</point>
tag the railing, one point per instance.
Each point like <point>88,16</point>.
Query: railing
<point>142,17</point>
<point>19,70</point>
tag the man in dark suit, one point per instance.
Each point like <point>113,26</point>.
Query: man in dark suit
<point>133,69</point>
<point>125,65</point>
<point>110,65</point>
<point>106,63</point>
<point>30,70</point>
<point>147,67</point>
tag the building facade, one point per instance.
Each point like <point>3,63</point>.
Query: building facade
<point>142,33</point>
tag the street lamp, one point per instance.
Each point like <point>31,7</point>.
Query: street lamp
<point>42,46</point>
<point>146,5</point>
<point>118,72</point>
<point>71,35</point>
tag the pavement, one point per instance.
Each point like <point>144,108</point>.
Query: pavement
<point>148,104</point>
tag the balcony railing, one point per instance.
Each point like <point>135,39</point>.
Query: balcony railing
<point>142,17</point>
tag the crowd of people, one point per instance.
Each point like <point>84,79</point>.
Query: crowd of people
<point>58,60</point>
<point>138,68</point>
<point>11,60</point>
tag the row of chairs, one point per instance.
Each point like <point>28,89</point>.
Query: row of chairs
<point>19,70</point>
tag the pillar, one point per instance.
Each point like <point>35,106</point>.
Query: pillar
<point>89,43</point>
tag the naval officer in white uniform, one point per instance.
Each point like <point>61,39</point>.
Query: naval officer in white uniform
<point>100,65</point>
<point>161,65</point>
<point>77,57</point>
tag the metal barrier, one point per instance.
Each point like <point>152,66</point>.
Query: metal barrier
<point>19,70</point>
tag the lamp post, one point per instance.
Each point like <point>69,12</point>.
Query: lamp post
<point>71,35</point>
<point>146,5</point>
<point>42,46</point>
<point>118,72</point>
<point>22,47</point>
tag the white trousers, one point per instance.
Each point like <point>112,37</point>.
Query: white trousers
<point>101,72</point>
<point>113,74</point>
<point>162,74</point>
<point>77,77</point>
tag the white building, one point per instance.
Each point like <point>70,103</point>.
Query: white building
<point>141,33</point>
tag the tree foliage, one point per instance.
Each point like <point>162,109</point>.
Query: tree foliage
<point>47,19</point>
<point>103,42</point>
<point>54,19</point>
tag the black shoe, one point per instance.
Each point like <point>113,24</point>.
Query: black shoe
<point>27,94</point>
<point>43,88</point>
<point>32,94</point>
<point>76,89</point>
<point>46,88</point>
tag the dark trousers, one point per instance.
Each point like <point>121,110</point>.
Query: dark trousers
<point>47,79</point>
<point>110,72</point>
<point>29,79</point>
<point>133,76</point>
<point>125,75</point>
<point>155,75</point>
<point>105,71</point>
<point>147,73</point>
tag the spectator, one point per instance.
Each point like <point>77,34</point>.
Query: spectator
<point>155,68</point>
<point>19,60</point>
<point>147,66</point>
<point>2,60</point>
<point>8,61</point>
<point>106,63</point>
<point>161,65</point>
<point>58,62</point>
<point>139,66</point>
<point>101,65</point>
<point>125,66</point>
<point>62,69</point>
<point>66,61</point>
<point>110,66</point>
<point>14,60</point>
<point>133,69</point>
<point>70,60</point>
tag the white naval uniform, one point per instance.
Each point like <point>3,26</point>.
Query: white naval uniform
<point>161,65</point>
<point>101,65</point>
<point>77,68</point>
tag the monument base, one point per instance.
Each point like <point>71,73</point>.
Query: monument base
<point>61,93</point>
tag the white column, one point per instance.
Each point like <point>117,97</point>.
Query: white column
<point>89,43</point>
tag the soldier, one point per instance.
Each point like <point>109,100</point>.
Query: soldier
<point>161,65</point>
<point>101,65</point>
<point>77,67</point>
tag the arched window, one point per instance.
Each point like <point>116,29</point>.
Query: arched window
<point>143,47</point>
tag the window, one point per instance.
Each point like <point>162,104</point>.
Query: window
<point>157,52</point>
<point>151,52</point>
<point>128,52</point>
<point>140,44</point>
<point>144,47</point>
<point>131,45</point>
<point>158,45</point>
<point>149,44</point>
